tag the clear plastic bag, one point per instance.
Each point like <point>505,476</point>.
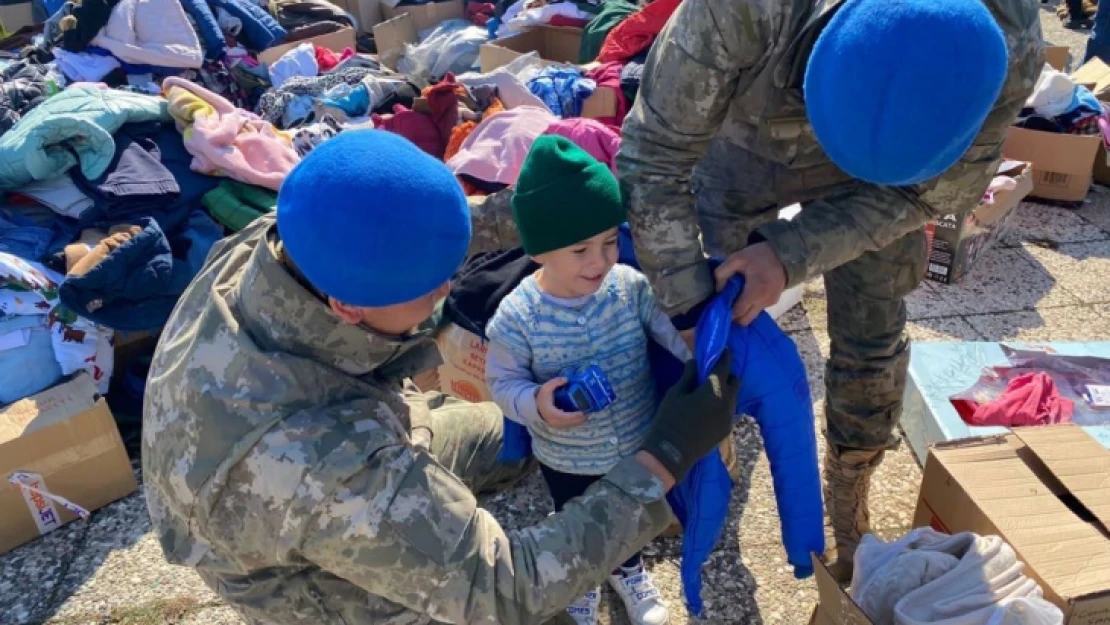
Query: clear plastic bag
<point>1080,379</point>
<point>451,46</point>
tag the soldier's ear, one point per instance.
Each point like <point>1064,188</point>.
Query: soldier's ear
<point>346,313</point>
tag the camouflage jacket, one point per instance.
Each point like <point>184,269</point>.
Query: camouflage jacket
<point>724,76</point>
<point>279,461</point>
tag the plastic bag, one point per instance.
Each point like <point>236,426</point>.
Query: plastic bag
<point>1081,379</point>
<point>452,46</point>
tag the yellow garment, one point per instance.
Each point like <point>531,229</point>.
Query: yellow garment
<point>185,106</point>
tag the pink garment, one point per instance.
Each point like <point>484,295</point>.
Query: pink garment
<point>609,75</point>
<point>599,140</point>
<point>496,148</point>
<point>1029,399</point>
<point>228,141</point>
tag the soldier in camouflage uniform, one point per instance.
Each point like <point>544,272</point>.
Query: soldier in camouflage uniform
<point>719,140</point>
<point>289,460</point>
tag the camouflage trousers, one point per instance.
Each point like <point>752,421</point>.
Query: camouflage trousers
<point>466,439</point>
<point>865,375</point>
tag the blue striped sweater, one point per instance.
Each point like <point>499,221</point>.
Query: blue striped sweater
<point>535,337</point>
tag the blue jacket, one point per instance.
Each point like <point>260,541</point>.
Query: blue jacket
<point>775,391</point>
<point>260,29</point>
<point>136,287</point>
<point>215,46</point>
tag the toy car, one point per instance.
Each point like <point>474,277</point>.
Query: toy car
<point>586,391</point>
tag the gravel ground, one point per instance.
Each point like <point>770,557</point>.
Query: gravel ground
<point>1037,286</point>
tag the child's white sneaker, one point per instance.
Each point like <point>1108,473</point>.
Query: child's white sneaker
<point>641,598</point>
<point>585,611</point>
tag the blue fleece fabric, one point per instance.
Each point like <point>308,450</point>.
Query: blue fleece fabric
<point>563,89</point>
<point>137,285</point>
<point>22,237</point>
<point>888,89</point>
<point>215,46</point>
<point>775,392</point>
<point>260,29</point>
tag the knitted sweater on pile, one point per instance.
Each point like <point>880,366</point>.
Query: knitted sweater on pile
<point>610,329</point>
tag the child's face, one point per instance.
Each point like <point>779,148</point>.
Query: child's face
<point>578,270</point>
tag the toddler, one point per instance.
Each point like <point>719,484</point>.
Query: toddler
<point>579,309</point>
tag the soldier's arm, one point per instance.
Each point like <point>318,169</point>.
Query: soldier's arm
<point>406,529</point>
<point>690,76</point>
<point>492,225</point>
<point>836,230</point>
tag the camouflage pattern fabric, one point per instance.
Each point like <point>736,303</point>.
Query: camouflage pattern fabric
<point>289,461</point>
<point>718,141</point>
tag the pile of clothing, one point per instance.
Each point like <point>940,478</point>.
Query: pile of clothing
<point>930,577</point>
<point>1059,105</point>
<point>134,134</point>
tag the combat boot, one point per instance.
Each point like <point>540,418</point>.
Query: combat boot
<point>847,482</point>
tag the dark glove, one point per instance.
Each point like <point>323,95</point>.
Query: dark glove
<point>693,419</point>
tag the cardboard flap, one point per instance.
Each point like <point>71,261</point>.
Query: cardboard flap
<point>1057,57</point>
<point>1095,75</point>
<point>392,36</point>
<point>1080,463</point>
<point>834,601</point>
<point>48,407</point>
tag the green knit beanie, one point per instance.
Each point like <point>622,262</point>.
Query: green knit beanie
<point>563,196</point>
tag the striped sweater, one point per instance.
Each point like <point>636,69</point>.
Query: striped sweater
<point>535,337</point>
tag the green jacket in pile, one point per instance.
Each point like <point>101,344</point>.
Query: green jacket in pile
<point>720,113</point>
<point>288,463</point>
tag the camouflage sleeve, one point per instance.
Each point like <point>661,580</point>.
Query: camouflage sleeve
<point>688,82</point>
<point>837,230</point>
<point>406,529</point>
<point>492,225</point>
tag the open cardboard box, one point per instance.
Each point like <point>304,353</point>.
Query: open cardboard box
<point>1062,163</point>
<point>15,15</point>
<point>1057,57</point>
<point>66,438</point>
<point>336,42</point>
<point>424,16</point>
<point>956,241</point>
<point>553,44</point>
<point>1044,490</point>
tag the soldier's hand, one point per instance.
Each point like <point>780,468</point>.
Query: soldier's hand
<point>552,416</point>
<point>693,418</point>
<point>764,280</point>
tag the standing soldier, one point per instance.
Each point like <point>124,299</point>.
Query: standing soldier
<point>878,117</point>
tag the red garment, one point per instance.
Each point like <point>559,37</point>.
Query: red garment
<point>416,127</point>
<point>572,22</point>
<point>479,12</point>
<point>327,60</point>
<point>636,34</point>
<point>609,75</point>
<point>443,101</point>
<point>1029,399</point>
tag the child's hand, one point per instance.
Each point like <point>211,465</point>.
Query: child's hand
<point>552,416</point>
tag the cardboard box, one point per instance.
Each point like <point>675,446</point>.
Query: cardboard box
<point>15,15</point>
<point>1057,57</point>
<point>463,372</point>
<point>424,16</point>
<point>553,44</point>
<point>1095,75</point>
<point>955,241</point>
<point>1101,171</point>
<point>66,438</point>
<point>1062,164</point>
<point>367,13</point>
<point>336,42</point>
<point>1045,491</point>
